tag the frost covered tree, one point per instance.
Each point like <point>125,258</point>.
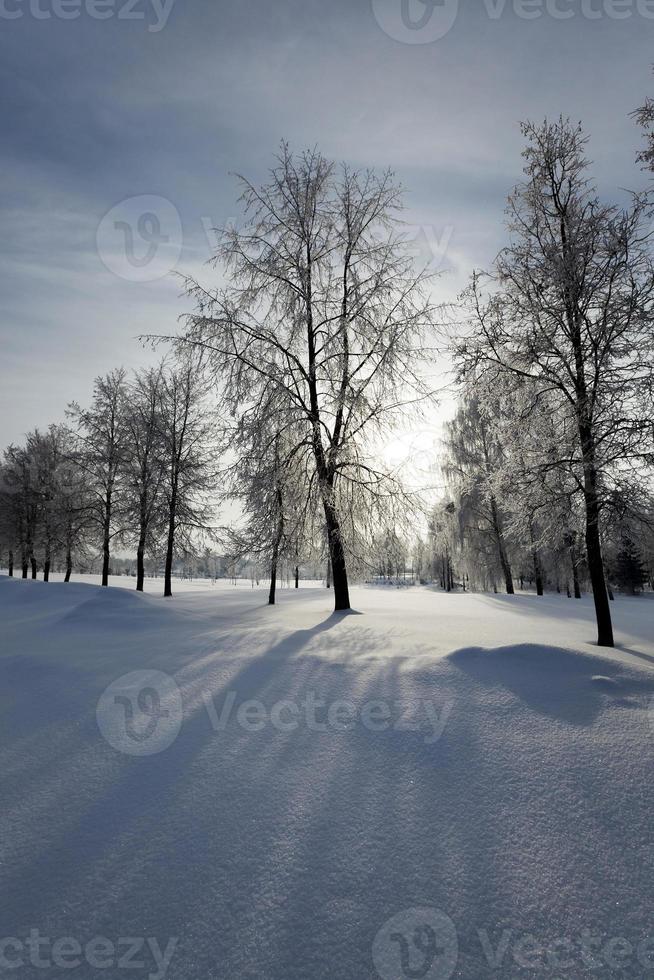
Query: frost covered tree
<point>20,506</point>
<point>325,307</point>
<point>271,483</point>
<point>445,540</point>
<point>43,503</point>
<point>46,452</point>
<point>629,568</point>
<point>570,309</point>
<point>472,462</point>
<point>144,464</point>
<point>100,449</point>
<point>75,512</point>
<point>645,118</point>
<point>187,447</point>
<point>16,507</point>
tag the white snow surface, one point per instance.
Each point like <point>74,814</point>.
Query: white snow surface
<point>492,768</point>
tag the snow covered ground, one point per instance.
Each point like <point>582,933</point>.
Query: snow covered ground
<point>437,786</point>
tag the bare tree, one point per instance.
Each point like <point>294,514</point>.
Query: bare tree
<point>101,444</point>
<point>20,504</point>
<point>572,312</point>
<point>46,453</point>
<point>645,118</point>
<point>144,464</point>
<point>16,505</point>
<point>75,509</point>
<point>326,309</point>
<point>188,454</point>
<point>473,457</point>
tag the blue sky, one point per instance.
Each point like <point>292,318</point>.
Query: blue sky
<point>150,110</point>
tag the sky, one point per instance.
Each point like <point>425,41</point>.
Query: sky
<point>124,122</point>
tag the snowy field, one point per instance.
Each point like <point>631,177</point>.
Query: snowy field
<point>437,786</point>
<point>155,586</point>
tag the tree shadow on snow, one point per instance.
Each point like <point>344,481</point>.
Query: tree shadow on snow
<point>562,684</point>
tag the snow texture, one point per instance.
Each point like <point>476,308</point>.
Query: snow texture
<point>489,781</point>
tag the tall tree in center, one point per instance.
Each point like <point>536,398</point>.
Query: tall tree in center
<point>326,307</point>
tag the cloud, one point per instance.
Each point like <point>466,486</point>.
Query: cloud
<point>96,112</point>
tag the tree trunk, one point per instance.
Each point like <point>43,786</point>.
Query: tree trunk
<point>273,579</point>
<point>69,565</point>
<point>35,567</point>
<point>279,534</point>
<point>593,543</point>
<point>11,563</point>
<point>575,573</point>
<point>337,555</point>
<point>140,562</point>
<point>170,547</point>
<point>596,572</point>
<point>106,538</point>
<point>48,560</point>
<point>297,576</point>
<point>328,582</point>
<point>501,550</point>
<point>538,574</point>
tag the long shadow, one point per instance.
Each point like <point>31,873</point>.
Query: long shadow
<point>647,657</point>
<point>560,683</point>
<point>280,855</point>
<point>261,669</point>
<point>122,802</point>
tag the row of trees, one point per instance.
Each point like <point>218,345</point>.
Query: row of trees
<point>549,458</point>
<point>505,523</point>
<point>319,345</point>
<point>134,470</point>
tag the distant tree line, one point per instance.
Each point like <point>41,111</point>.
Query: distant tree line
<point>134,469</point>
